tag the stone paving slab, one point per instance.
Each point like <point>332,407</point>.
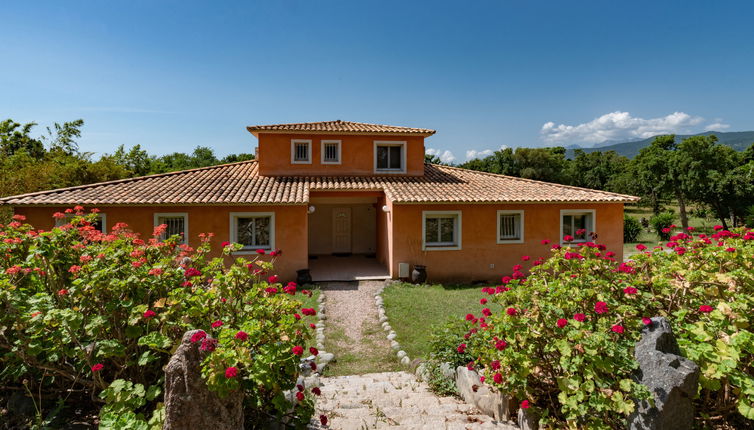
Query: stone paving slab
<point>394,400</point>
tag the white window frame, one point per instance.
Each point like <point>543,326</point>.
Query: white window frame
<point>457,233</point>
<point>402,144</point>
<point>233,234</point>
<point>184,215</point>
<point>340,156</point>
<point>308,143</point>
<point>591,212</point>
<point>520,226</point>
<point>102,216</point>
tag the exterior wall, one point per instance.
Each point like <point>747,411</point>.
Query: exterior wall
<point>363,228</point>
<point>290,227</point>
<point>357,155</point>
<point>481,258</point>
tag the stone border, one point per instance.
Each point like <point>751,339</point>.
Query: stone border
<point>323,358</point>
<point>391,335</point>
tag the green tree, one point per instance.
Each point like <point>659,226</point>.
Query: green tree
<point>136,160</point>
<point>15,137</point>
<point>596,169</point>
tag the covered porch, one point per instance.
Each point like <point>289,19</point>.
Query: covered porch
<point>327,268</point>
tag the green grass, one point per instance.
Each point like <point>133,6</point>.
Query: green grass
<point>650,239</point>
<point>368,354</point>
<point>309,302</point>
<point>415,310</point>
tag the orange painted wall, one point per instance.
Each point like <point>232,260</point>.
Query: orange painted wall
<point>290,227</point>
<point>357,155</point>
<point>479,230</point>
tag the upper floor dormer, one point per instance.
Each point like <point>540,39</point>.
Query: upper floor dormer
<point>339,148</point>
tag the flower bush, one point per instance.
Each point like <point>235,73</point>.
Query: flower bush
<point>565,343</point>
<point>93,315</point>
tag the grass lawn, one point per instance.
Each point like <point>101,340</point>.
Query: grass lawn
<point>414,310</point>
<point>368,354</point>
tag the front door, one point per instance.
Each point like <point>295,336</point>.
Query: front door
<point>341,230</point>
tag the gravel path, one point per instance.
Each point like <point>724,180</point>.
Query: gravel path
<point>394,400</point>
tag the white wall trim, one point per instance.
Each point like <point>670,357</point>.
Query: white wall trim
<point>185,216</point>
<point>522,226</point>
<point>402,144</point>
<point>233,234</point>
<point>293,151</point>
<point>458,232</point>
<point>592,212</point>
<point>340,151</point>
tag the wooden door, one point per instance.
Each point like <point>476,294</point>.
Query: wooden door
<point>341,230</point>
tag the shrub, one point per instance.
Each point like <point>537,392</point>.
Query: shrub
<point>446,354</point>
<point>100,314</point>
<point>662,224</point>
<point>565,342</point>
<point>631,229</point>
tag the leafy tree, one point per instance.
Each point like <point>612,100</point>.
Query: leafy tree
<point>136,160</point>
<point>432,159</point>
<point>595,169</point>
<point>234,158</point>
<point>15,137</point>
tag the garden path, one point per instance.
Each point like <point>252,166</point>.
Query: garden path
<point>366,391</point>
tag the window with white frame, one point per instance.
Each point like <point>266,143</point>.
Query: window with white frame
<point>577,224</point>
<point>330,152</point>
<point>176,224</point>
<point>510,226</point>
<point>253,230</point>
<point>441,230</point>
<point>100,222</point>
<point>301,151</point>
<point>390,157</point>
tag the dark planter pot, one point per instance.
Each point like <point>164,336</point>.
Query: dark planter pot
<point>303,277</point>
<point>419,274</point>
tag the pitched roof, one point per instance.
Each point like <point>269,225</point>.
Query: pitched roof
<point>338,126</point>
<point>240,183</point>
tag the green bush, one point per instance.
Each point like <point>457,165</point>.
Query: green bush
<point>662,224</point>
<point>631,229</point>
<point>100,314</point>
<point>564,344</point>
<point>446,355</point>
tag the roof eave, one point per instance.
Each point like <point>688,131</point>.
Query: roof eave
<point>256,132</point>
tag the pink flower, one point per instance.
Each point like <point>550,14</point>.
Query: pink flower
<point>567,238</point>
<point>199,335</point>
<point>562,322</point>
<point>12,270</point>
<point>155,272</point>
<point>666,230</point>
<point>276,253</point>
<point>617,329</point>
<point>481,379</point>
<point>149,313</point>
<point>260,251</point>
<point>272,279</point>
<point>191,272</point>
<point>241,335</point>
<point>297,350</point>
<point>525,258</point>
<point>74,269</point>
<point>525,404</point>
<point>600,307</point>
<point>58,215</point>
<point>717,227</point>
<point>231,372</point>
<point>545,242</point>
<point>62,292</point>
<point>97,367</point>
<point>730,249</point>
<point>690,228</point>
<point>217,324</point>
<point>646,321</point>
<point>224,244</point>
<point>630,290</point>
<point>705,309</point>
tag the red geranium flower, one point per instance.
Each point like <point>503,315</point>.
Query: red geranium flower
<point>62,292</point>
<point>231,372</point>
<point>483,301</point>
<point>199,335</point>
<point>705,308</point>
<point>545,242</point>
<point>617,329</point>
<point>97,367</point>
<point>646,321</point>
<point>501,345</point>
<point>567,238</point>
<point>149,313</point>
<point>525,404</point>
<point>242,335</point>
<point>323,420</point>
<point>316,391</point>
<point>217,324</point>
<point>313,350</point>
<point>224,244</point>
<point>498,378</point>
<point>208,344</point>
<point>260,251</point>
<point>297,350</point>
<point>486,312</point>
<point>272,279</point>
<point>630,290</point>
<point>579,317</point>
<point>461,348</point>
<point>600,307</point>
<point>511,311</point>
<point>191,272</point>
<point>562,322</point>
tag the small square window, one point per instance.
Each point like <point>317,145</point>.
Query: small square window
<point>390,157</point>
<point>577,224</point>
<point>330,152</point>
<point>253,230</point>
<point>176,224</point>
<point>301,151</point>
<point>510,226</point>
<point>99,224</point>
<point>442,230</point>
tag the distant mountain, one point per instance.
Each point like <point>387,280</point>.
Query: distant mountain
<point>738,140</point>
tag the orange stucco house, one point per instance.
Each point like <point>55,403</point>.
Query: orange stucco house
<point>351,200</point>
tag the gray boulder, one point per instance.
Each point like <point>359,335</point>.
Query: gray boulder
<point>671,379</point>
<point>487,399</point>
<point>189,404</point>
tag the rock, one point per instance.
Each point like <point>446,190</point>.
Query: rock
<point>391,336</point>
<point>326,357</point>
<point>189,404</point>
<point>671,379</point>
<point>487,399</point>
<point>415,363</point>
<point>383,319</point>
<point>527,420</point>
<point>395,345</point>
<point>405,360</point>
<point>321,316</point>
<point>421,372</point>
<point>387,327</point>
<point>401,354</point>
<point>447,370</point>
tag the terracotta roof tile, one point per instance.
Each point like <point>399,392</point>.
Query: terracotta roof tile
<point>343,127</point>
<point>240,183</point>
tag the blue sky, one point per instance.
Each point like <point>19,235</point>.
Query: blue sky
<point>174,75</point>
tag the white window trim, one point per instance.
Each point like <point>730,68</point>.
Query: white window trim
<point>309,151</point>
<point>157,216</point>
<point>340,155</point>
<point>103,217</point>
<point>592,212</point>
<point>402,144</point>
<point>521,226</point>
<point>455,247</point>
<point>233,235</point>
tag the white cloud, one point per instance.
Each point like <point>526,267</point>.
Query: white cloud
<point>621,126</point>
<point>717,126</point>
<point>473,153</point>
<point>445,156</point>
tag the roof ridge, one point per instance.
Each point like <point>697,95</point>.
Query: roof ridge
<point>572,187</point>
<point>124,180</point>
